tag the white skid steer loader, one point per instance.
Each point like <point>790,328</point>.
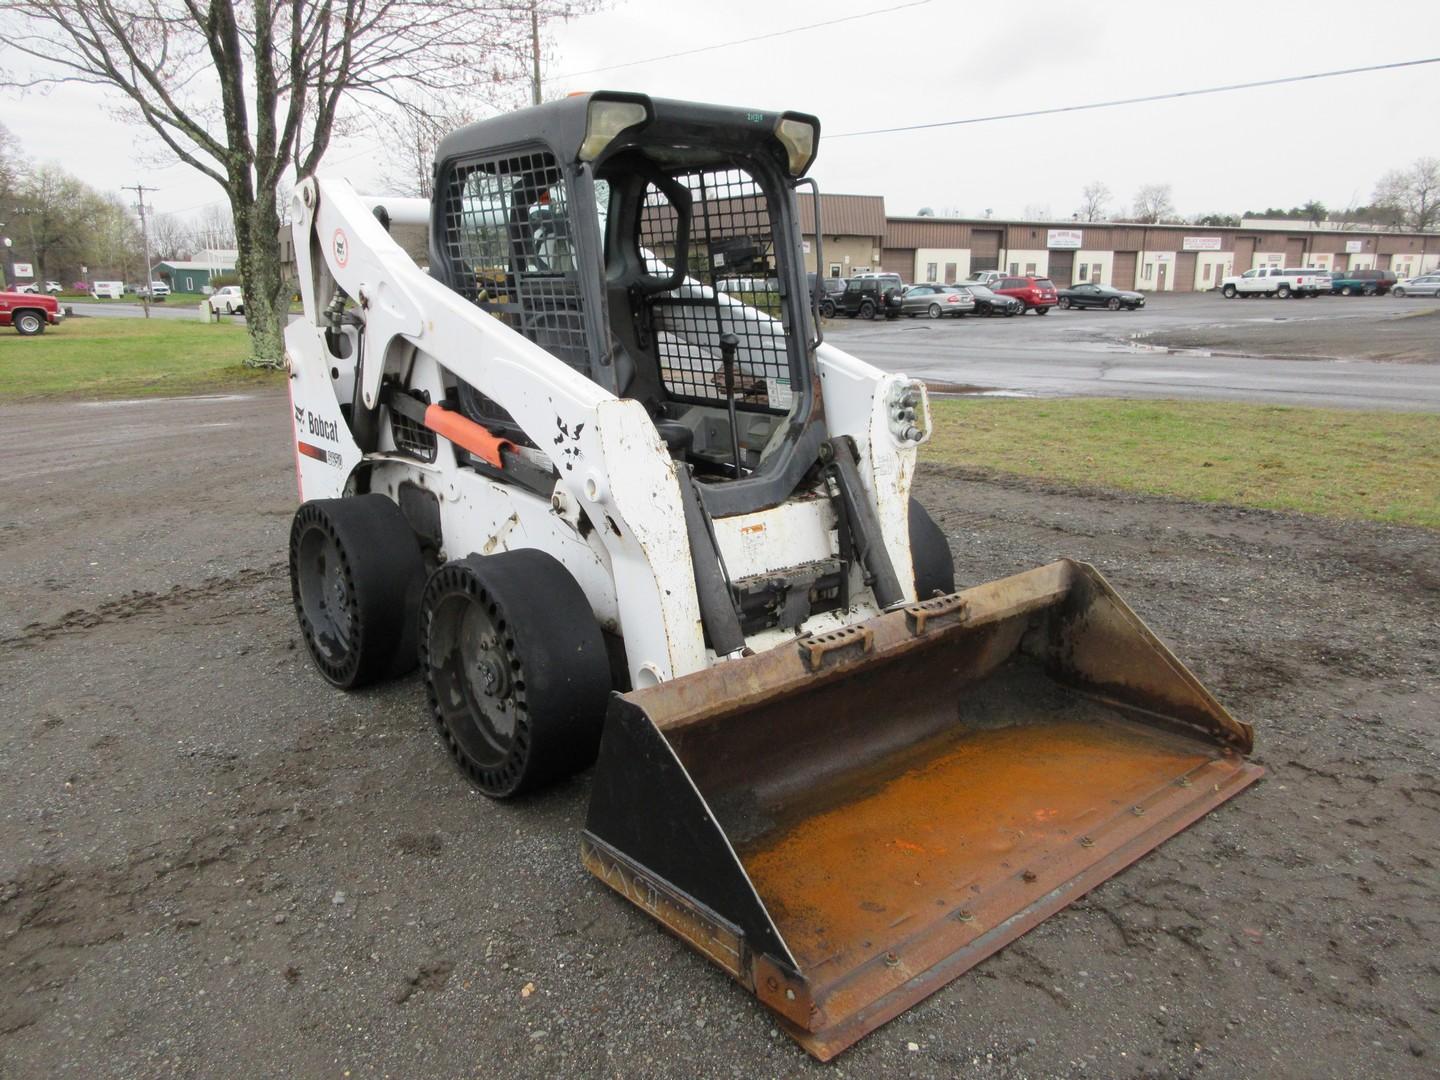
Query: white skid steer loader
<point>598,474</point>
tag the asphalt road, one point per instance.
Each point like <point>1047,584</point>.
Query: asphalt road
<point>1097,354</point>
<point>130,311</point>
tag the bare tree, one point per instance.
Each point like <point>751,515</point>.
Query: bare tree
<point>1036,212</point>
<point>413,134</point>
<point>1094,201</point>
<point>13,167</point>
<point>169,237</point>
<point>1413,193</point>
<point>245,90</point>
<point>1152,204</point>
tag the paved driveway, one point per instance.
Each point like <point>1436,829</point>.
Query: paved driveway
<point>1095,353</point>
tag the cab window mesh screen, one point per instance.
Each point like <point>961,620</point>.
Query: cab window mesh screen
<point>733,288</point>
<point>508,242</point>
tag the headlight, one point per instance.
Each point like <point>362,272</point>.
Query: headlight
<point>606,119</point>
<point>799,135</point>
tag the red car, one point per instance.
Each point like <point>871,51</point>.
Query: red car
<point>1036,293</point>
<point>29,313</point>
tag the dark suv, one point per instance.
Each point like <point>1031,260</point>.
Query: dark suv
<point>1362,282</point>
<point>871,295</point>
<point>830,290</point>
<point>1036,293</point>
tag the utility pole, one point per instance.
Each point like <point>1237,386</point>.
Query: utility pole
<point>140,190</point>
<point>10,281</point>
<point>535,52</point>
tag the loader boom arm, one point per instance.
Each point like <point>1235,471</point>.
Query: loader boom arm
<point>608,457</point>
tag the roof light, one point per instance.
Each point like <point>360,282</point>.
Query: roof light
<point>605,120</point>
<point>799,136</point>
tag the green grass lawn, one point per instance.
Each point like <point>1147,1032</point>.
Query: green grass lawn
<point>103,358</point>
<point>1341,463</point>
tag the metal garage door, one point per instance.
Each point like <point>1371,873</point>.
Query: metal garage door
<point>898,261</point>
<point>1295,252</point>
<point>1185,272</point>
<point>1382,262</point>
<point>1340,262</point>
<point>1062,268</point>
<point>1123,276</point>
<point>1244,254</point>
<point>985,249</point>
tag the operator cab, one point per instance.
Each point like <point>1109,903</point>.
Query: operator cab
<point>652,246</point>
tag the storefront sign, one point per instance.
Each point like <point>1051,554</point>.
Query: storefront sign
<point>1063,238</point>
<point>1163,256</point>
<point>1353,247</point>
<point>1202,243</point>
<point>24,270</point>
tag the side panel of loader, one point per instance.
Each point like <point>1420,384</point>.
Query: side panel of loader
<point>848,824</point>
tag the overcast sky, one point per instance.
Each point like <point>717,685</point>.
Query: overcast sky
<point>942,60</point>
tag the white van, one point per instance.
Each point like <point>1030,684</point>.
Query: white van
<point>108,290</point>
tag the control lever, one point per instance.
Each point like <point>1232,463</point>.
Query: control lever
<point>729,345</point>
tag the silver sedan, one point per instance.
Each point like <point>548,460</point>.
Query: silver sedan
<point>934,301</point>
<point>1424,285</point>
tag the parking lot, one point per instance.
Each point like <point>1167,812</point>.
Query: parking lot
<point>1188,346</point>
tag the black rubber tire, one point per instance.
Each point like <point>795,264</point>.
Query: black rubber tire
<point>1113,303</point>
<point>523,706</point>
<point>1229,292</point>
<point>360,555</point>
<point>1397,291</point>
<point>933,311</point>
<point>1346,291</point>
<point>1063,302</point>
<point>1042,311</point>
<point>1283,292</point>
<point>1010,312</point>
<point>930,555</point>
<point>827,309</point>
<point>867,310</point>
<point>28,323</point>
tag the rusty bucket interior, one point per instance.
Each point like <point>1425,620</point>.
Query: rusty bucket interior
<point>847,824</point>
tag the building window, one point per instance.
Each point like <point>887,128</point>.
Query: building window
<point>1029,269</point>
<point>835,270</point>
<point>1149,271</point>
<point>949,273</point>
<point>1207,271</point>
<point>1014,269</point>
<point>930,271</point>
<point>1095,273</point>
<point>1084,271</point>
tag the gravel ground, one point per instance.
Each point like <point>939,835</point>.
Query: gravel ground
<point>213,864</point>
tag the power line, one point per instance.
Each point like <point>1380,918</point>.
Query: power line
<point>1139,100</point>
<point>741,41</point>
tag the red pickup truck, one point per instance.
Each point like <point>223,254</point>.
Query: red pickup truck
<point>29,313</point>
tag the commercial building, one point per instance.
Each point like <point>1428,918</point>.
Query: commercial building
<point>193,275</point>
<point>1159,258</point>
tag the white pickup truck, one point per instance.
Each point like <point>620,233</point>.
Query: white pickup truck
<point>1276,281</point>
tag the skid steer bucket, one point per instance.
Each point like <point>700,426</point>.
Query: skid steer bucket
<point>848,823</point>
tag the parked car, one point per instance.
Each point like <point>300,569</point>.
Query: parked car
<point>987,278</point>
<point>830,288</point>
<point>1362,282</point>
<point>1087,295</point>
<point>230,300</point>
<point>870,296</point>
<point>989,302</point>
<point>1424,285</point>
<point>29,313</point>
<point>1036,293</point>
<point>157,290</point>
<point>1279,281</point>
<point>934,301</point>
<point>52,288</point>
